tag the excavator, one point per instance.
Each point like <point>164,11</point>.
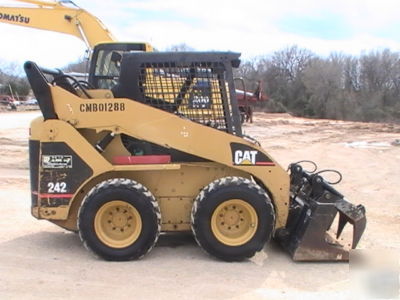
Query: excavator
<point>153,144</point>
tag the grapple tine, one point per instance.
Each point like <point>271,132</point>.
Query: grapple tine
<point>314,205</point>
<point>354,215</point>
<point>342,222</point>
<point>358,231</point>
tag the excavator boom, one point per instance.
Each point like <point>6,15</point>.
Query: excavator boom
<point>68,18</point>
<point>58,17</point>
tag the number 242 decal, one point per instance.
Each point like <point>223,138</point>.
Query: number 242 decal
<point>57,187</point>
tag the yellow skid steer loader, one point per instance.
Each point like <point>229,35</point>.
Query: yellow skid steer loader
<point>163,151</point>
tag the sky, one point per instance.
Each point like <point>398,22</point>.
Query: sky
<point>252,27</point>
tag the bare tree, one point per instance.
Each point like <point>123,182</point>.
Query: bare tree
<point>179,48</point>
<point>340,86</point>
<point>80,66</point>
<point>12,80</point>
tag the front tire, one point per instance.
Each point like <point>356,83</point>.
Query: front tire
<point>119,220</point>
<point>232,218</point>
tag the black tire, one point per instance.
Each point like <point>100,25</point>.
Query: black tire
<point>208,223</point>
<point>100,230</point>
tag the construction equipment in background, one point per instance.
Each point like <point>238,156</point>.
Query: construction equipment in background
<point>163,151</point>
<point>58,16</point>
<point>247,100</point>
<point>68,18</point>
<point>9,102</point>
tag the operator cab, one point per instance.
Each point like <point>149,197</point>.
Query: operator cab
<point>106,62</point>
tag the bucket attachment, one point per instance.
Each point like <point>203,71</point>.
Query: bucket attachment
<point>314,206</point>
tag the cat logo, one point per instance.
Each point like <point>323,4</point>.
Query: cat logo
<point>245,157</point>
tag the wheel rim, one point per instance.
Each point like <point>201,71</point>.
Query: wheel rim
<point>118,224</point>
<point>234,222</point>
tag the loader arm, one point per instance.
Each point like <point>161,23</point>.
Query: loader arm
<point>56,16</point>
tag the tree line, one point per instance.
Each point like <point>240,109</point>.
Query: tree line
<point>12,83</point>
<point>339,86</point>
<point>344,87</point>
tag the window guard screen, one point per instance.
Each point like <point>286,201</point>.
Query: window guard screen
<point>185,84</point>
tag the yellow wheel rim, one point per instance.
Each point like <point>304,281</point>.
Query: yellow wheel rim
<point>234,222</point>
<point>118,224</point>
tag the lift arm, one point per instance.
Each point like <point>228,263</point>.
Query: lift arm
<point>57,16</point>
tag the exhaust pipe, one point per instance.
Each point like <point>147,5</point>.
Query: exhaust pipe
<point>313,208</point>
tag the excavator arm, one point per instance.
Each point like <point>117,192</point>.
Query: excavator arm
<point>66,17</point>
<point>59,17</point>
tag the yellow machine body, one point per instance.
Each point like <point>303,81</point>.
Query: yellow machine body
<point>163,151</point>
<point>174,185</point>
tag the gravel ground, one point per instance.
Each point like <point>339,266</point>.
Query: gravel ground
<point>38,259</point>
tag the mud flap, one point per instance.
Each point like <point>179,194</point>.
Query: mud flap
<point>314,206</point>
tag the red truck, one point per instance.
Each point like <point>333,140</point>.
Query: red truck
<point>6,100</point>
<point>246,100</point>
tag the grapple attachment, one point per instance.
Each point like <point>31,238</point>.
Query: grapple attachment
<point>314,206</point>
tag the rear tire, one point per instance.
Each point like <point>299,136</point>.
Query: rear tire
<point>232,218</point>
<point>119,220</point>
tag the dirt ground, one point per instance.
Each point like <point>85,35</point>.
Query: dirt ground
<point>38,259</point>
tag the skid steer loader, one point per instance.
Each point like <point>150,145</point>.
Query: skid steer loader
<point>163,151</point>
